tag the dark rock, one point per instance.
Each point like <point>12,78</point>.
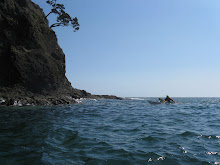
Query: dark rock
<point>30,55</point>
<point>32,65</point>
<point>106,97</point>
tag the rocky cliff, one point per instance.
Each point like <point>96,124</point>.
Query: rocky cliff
<point>32,65</point>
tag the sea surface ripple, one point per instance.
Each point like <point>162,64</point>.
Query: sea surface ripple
<point>117,132</point>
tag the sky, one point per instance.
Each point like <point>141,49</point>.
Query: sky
<point>142,48</point>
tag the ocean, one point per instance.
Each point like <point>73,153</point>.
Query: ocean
<point>112,132</point>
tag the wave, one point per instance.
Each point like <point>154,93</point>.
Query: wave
<point>137,98</point>
<point>111,132</point>
<point>209,136</point>
<point>188,133</point>
<point>152,139</point>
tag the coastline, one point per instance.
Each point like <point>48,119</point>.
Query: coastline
<point>49,100</point>
<point>19,96</point>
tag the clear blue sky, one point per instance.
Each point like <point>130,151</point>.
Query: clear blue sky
<point>143,48</point>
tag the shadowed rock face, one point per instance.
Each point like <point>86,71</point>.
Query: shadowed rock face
<point>29,53</point>
<point>32,65</point>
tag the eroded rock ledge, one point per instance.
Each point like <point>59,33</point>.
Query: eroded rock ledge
<point>19,96</point>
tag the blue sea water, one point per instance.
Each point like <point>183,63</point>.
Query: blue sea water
<point>117,132</point>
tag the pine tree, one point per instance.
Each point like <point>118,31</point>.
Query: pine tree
<point>63,18</point>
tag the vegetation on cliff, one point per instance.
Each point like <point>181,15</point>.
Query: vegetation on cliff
<point>63,18</point>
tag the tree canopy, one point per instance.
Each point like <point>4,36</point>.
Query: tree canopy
<point>63,18</point>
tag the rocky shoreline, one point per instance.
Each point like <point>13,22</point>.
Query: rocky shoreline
<point>49,100</point>
<point>19,96</point>
<point>37,101</point>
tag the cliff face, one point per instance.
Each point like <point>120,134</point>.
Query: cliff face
<point>31,61</point>
<point>32,65</point>
<point>30,55</point>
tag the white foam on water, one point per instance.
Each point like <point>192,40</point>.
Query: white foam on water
<point>136,98</point>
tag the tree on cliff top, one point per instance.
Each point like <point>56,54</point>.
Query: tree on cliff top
<point>63,18</point>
